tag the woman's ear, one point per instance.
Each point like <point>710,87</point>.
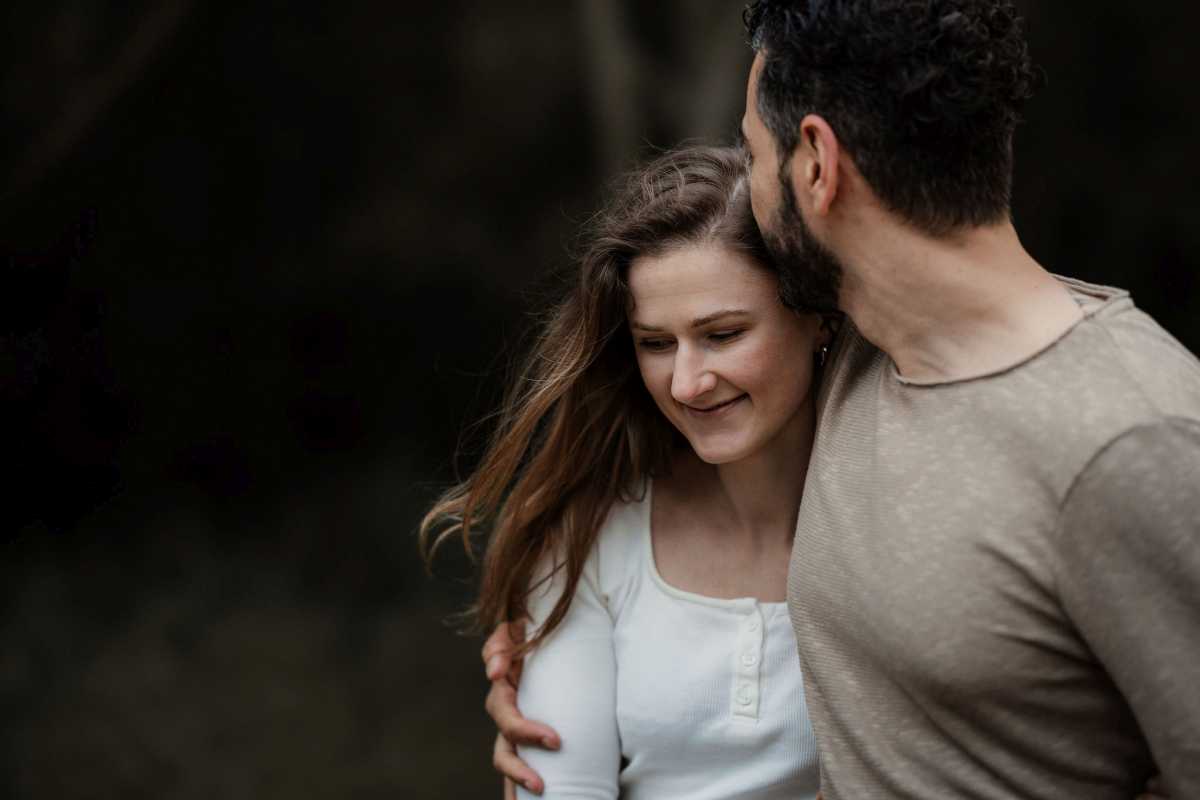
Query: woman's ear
<point>830,324</point>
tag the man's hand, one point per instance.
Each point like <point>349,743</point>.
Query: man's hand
<point>505,674</point>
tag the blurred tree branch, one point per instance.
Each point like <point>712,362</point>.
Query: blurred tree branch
<point>613,66</point>
<point>684,83</point>
<point>89,99</point>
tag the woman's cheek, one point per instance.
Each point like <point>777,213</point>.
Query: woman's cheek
<point>655,377</point>
<point>644,369</point>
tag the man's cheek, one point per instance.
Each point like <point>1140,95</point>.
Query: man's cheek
<point>758,203</point>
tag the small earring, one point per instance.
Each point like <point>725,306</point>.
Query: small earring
<point>822,354</point>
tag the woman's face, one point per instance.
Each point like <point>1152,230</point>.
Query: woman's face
<point>725,361</point>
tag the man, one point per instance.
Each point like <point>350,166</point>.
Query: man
<point>995,582</point>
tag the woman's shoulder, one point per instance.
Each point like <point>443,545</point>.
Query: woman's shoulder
<point>622,539</point>
<point>612,564</point>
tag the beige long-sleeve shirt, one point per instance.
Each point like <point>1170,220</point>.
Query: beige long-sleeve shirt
<point>995,585</point>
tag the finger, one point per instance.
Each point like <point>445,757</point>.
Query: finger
<point>501,706</point>
<point>516,630</point>
<point>497,652</point>
<point>510,790</point>
<point>513,675</point>
<point>508,764</point>
<point>500,641</point>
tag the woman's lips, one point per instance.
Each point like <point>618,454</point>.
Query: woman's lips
<point>715,410</point>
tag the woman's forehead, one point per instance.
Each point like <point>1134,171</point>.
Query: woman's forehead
<point>691,281</point>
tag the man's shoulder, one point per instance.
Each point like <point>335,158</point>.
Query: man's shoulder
<point>1115,371</point>
<point>1117,362</point>
<point>1120,359</point>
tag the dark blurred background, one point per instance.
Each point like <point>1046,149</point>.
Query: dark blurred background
<point>264,262</point>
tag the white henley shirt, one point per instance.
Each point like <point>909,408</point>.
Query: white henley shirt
<point>663,694</point>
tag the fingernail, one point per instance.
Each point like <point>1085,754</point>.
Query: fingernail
<point>493,667</point>
<point>550,743</point>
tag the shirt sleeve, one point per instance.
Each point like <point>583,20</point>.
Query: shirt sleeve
<point>1130,580</point>
<point>569,683</point>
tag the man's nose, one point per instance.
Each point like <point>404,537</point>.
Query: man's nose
<point>692,378</point>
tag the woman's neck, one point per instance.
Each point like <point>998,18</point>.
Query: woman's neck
<point>758,497</point>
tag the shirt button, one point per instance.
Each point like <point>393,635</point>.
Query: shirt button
<point>743,699</point>
<point>749,659</point>
<point>752,625</point>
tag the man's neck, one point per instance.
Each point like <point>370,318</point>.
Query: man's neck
<point>952,308</point>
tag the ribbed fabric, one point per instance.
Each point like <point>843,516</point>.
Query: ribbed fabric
<point>702,699</point>
<point>995,583</point>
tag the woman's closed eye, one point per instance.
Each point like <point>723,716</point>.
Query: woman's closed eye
<point>658,345</point>
<point>722,337</point>
<point>655,345</point>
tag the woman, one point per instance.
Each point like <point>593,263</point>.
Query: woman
<point>641,494</point>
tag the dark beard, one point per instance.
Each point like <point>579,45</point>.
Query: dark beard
<point>810,275</point>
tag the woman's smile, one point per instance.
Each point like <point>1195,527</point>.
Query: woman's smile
<point>715,409</point>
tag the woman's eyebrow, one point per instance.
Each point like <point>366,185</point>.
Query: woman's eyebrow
<point>707,319</point>
<point>698,322</point>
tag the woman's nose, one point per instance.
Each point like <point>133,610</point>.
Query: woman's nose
<point>691,379</point>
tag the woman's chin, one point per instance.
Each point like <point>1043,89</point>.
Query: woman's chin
<point>719,453</point>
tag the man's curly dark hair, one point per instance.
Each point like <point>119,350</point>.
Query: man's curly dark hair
<point>923,94</point>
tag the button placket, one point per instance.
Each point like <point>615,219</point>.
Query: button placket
<point>747,662</point>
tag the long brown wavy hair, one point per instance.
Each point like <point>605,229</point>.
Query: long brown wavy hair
<point>577,430</point>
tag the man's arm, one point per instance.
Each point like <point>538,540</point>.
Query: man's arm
<point>1130,579</point>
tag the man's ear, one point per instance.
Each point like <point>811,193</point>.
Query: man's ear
<point>814,167</point>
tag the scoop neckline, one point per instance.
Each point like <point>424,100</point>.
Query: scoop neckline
<point>728,603</point>
<point>1092,298</point>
